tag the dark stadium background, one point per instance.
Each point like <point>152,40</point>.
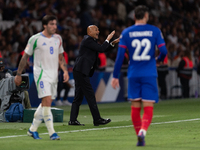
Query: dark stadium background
<point>179,21</point>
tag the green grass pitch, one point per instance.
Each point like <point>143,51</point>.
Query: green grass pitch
<point>175,126</point>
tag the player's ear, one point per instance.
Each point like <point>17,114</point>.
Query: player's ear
<point>146,16</point>
<point>44,26</point>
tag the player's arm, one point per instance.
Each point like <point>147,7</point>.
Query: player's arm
<point>22,63</point>
<point>118,63</point>
<point>163,53</point>
<point>63,66</point>
<point>21,67</point>
<point>161,46</point>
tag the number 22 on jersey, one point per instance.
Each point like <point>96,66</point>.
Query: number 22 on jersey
<point>137,44</point>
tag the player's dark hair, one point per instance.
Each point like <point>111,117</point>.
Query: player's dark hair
<point>140,11</point>
<point>47,18</point>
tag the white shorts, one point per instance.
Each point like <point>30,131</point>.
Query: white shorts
<point>46,88</point>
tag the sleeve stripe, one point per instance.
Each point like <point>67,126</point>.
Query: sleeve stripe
<point>123,46</point>
<point>161,45</point>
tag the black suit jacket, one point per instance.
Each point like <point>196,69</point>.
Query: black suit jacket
<point>87,59</point>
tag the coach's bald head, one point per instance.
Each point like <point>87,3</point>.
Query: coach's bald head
<point>93,31</point>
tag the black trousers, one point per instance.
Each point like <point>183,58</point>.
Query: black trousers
<point>185,87</point>
<point>61,86</point>
<point>83,88</point>
<point>162,83</point>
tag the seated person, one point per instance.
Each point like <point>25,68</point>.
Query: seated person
<point>13,93</point>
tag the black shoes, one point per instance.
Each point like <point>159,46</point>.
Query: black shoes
<point>77,123</point>
<point>101,121</point>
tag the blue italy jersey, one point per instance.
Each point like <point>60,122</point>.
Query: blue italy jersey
<point>141,41</point>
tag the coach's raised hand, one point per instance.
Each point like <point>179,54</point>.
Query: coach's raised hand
<point>115,41</point>
<point>109,37</point>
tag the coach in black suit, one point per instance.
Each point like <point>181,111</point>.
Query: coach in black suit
<point>84,69</point>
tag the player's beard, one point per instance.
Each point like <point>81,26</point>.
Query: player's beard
<point>51,32</point>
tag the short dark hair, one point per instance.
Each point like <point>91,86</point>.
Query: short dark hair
<point>47,18</point>
<point>140,11</point>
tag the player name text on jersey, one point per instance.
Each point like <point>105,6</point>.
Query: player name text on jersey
<point>139,34</point>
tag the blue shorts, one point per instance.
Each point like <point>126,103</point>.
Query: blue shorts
<point>143,88</point>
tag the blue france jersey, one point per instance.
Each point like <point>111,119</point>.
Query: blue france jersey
<point>141,41</point>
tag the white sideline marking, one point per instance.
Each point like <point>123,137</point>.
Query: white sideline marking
<point>93,129</point>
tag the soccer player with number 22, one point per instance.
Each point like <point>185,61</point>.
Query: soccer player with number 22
<point>141,40</point>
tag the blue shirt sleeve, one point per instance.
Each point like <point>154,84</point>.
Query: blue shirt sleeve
<point>120,57</point>
<point>161,46</point>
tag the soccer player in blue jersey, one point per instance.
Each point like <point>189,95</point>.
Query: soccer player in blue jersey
<point>140,40</point>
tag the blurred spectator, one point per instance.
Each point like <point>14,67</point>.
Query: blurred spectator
<point>196,58</point>
<point>61,86</point>
<point>111,56</point>
<point>121,10</point>
<point>177,58</point>
<point>101,62</point>
<point>71,57</point>
<point>173,36</point>
<point>184,71</point>
<point>162,70</point>
<point>178,20</point>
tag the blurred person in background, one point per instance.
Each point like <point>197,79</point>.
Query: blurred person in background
<point>177,58</point>
<point>163,70</point>
<point>101,62</point>
<point>184,71</point>
<point>15,97</point>
<point>66,86</point>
